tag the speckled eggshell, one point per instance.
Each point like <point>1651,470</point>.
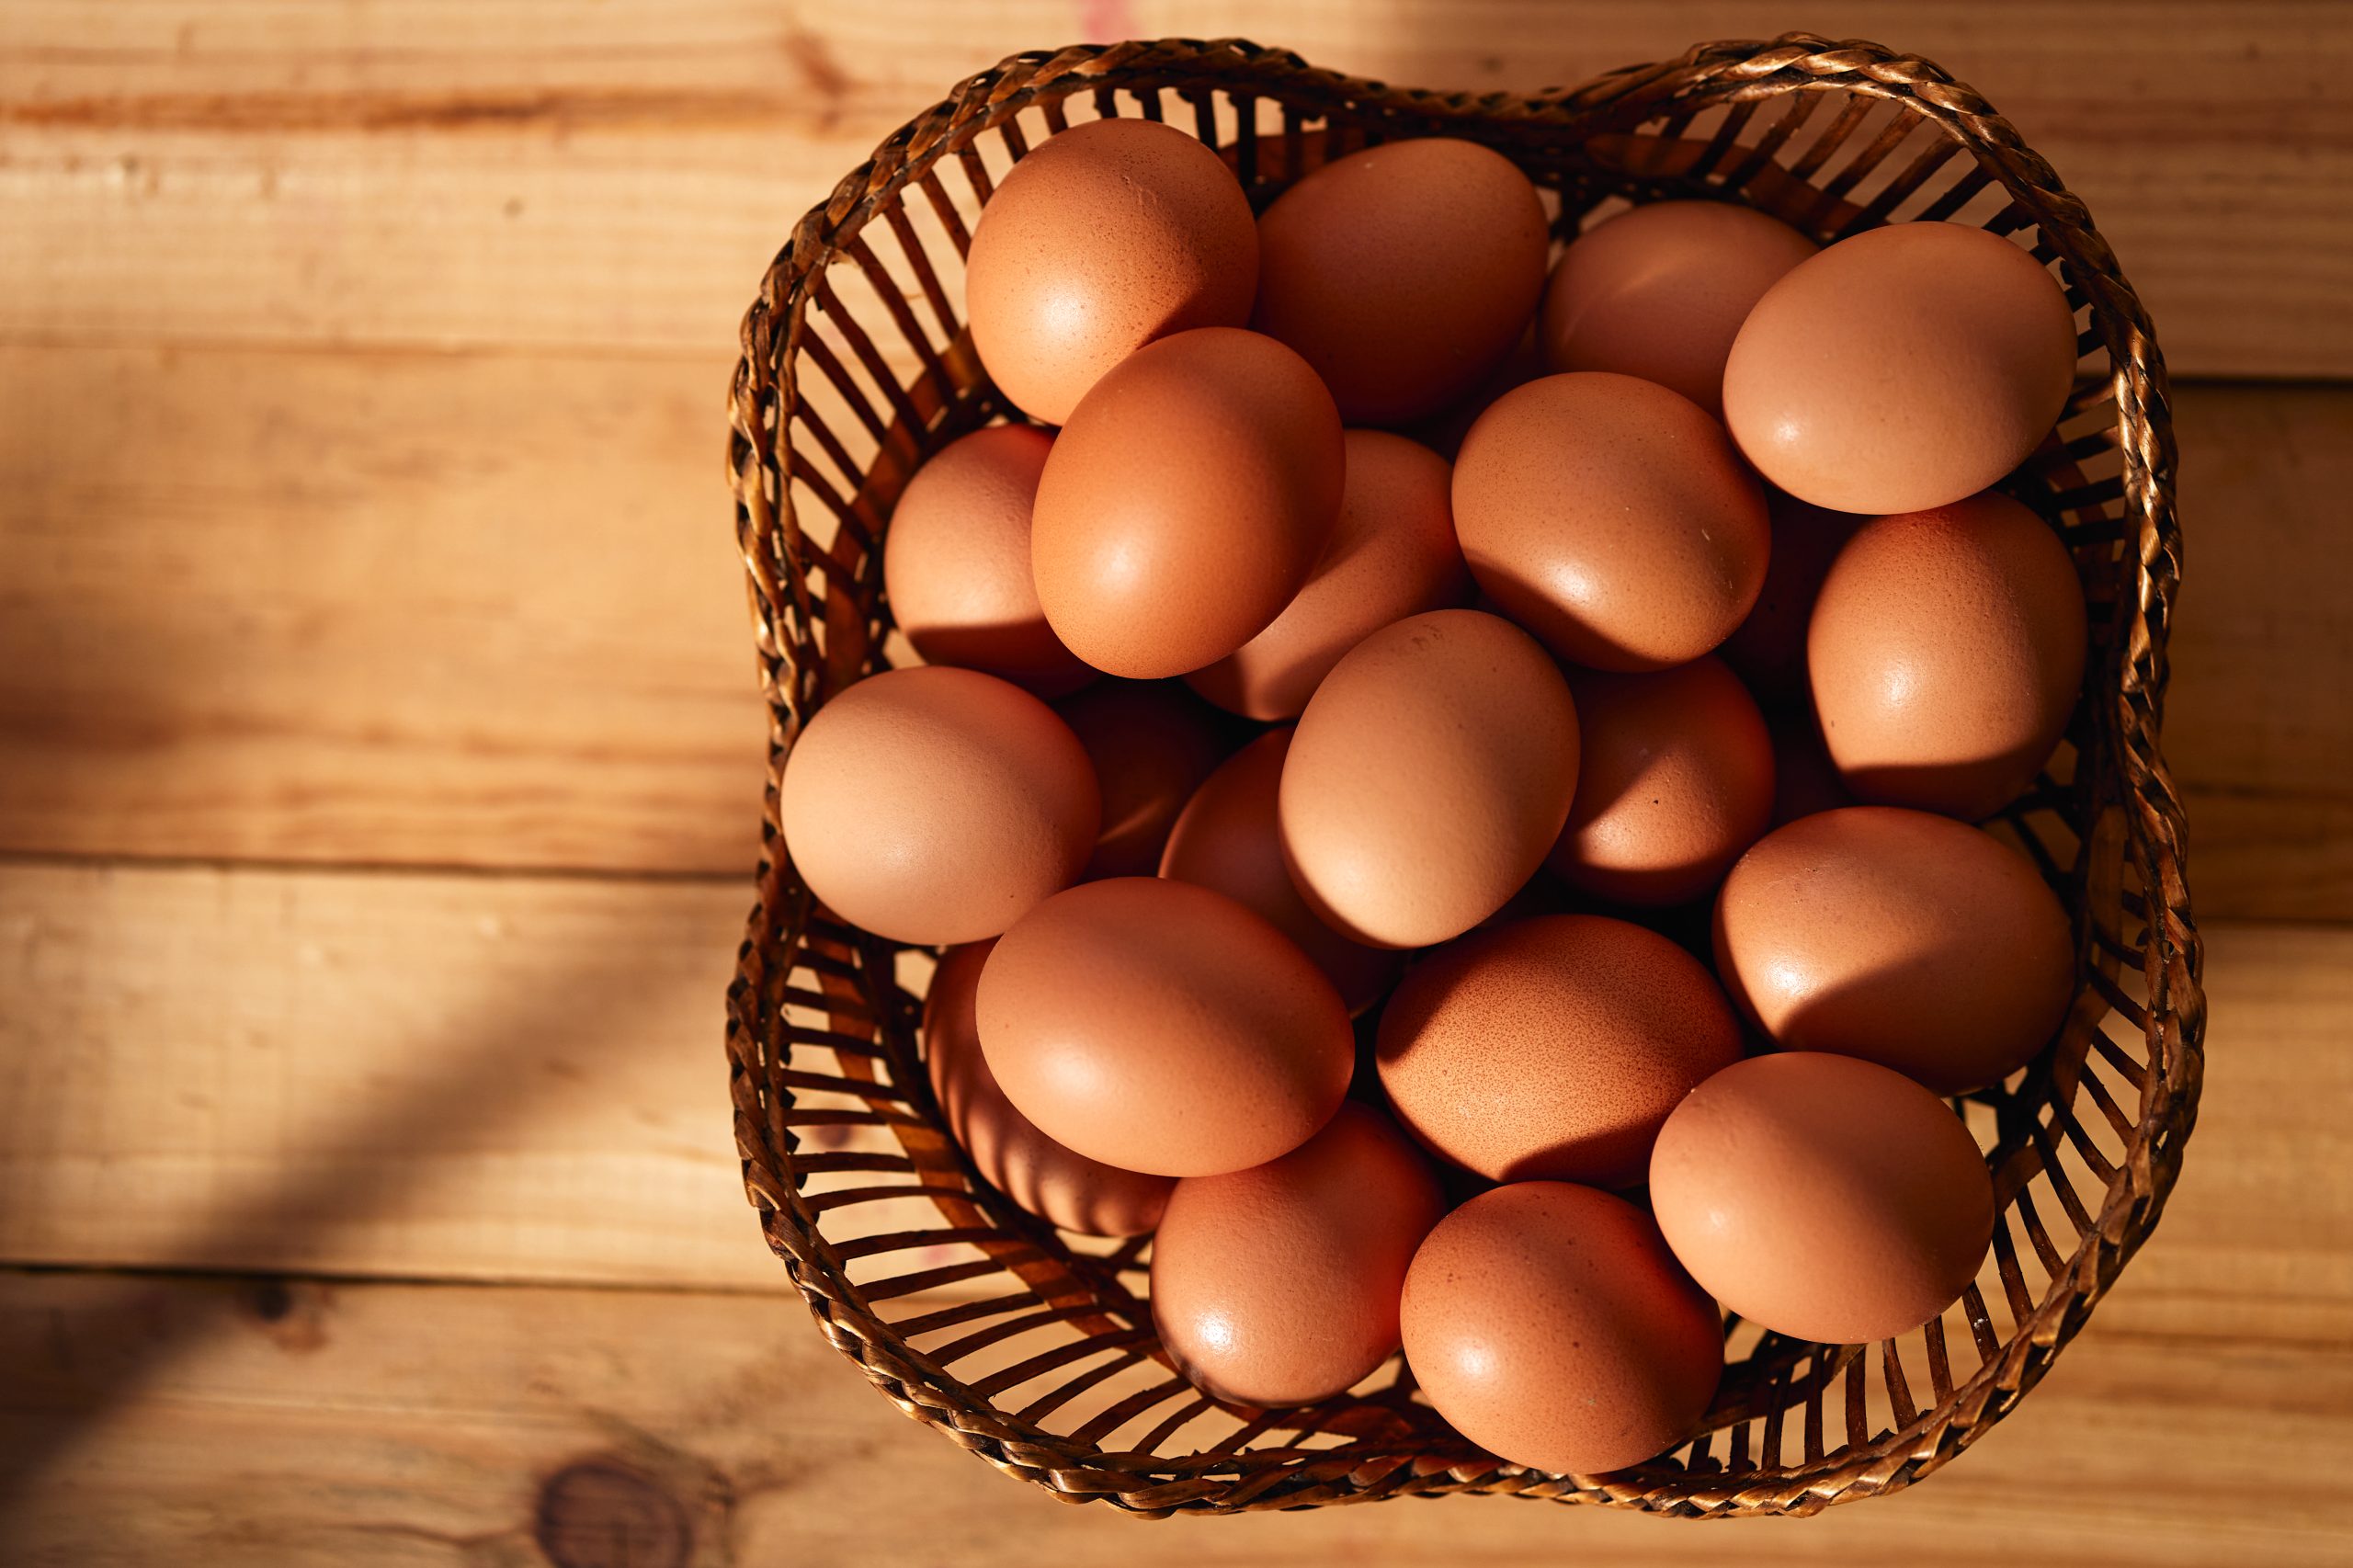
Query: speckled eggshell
<point>1428,777</point>
<point>936,805</point>
<point>1553,1049</point>
<point>1549,1324</point>
<point>1403,273</point>
<point>1152,743</point>
<point>1767,650</point>
<point>1903,369</point>
<point>1391,554</point>
<point>1278,1285</point>
<point>1612,518</point>
<point>955,562</point>
<point>1229,838</point>
<point>1660,291</point>
<point>1822,1197</point>
<point>1674,779</point>
<point>1900,937</point>
<point>1945,651</point>
<point>1186,502</point>
<point>1160,1027</point>
<point>1104,237</point>
<point>1062,1187</point>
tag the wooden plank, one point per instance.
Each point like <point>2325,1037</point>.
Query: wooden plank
<point>496,1078</point>
<point>457,610</point>
<point>2258,724</point>
<point>520,1078</point>
<point>543,174</point>
<point>373,608</point>
<point>196,1421</point>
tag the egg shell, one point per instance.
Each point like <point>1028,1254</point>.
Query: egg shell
<point>1391,554</point>
<point>1553,1049</point>
<point>1660,291</point>
<point>1186,502</point>
<point>1102,238</point>
<point>1612,518</point>
<point>955,562</point>
<point>1900,937</point>
<point>1675,778</point>
<point>1768,650</point>
<point>1060,1187</point>
<point>1822,1197</point>
<point>1804,778</point>
<point>936,805</point>
<point>1549,1324</point>
<point>1428,777</point>
<point>1160,1027</point>
<point>1403,273</point>
<point>1945,652</point>
<point>1229,838</point>
<point>1278,1285</point>
<point>1903,369</point>
<point>1151,743</point>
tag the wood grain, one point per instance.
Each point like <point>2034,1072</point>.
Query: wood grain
<point>559,176</point>
<point>520,1078</point>
<point>354,1425</point>
<point>496,1078</point>
<point>373,608</point>
<point>2259,722</point>
<point>386,607</point>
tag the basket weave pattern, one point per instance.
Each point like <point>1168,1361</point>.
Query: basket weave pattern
<point>1042,1359</point>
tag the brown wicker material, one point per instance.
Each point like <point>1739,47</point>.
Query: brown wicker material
<point>1034,1349</point>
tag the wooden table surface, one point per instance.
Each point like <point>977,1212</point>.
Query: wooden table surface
<point>380,765</point>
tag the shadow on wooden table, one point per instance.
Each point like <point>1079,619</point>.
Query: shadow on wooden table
<point>142,1322</point>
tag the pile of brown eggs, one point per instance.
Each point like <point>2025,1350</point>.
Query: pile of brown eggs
<point>1616,777</point>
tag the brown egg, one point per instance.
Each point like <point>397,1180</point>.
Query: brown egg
<point>1391,554</point>
<point>1278,1285</point>
<point>1822,1197</point>
<point>936,805</point>
<point>1428,777</point>
<point>1768,652</point>
<point>1612,518</point>
<point>1552,1049</point>
<point>1903,369</point>
<point>1403,273</point>
<point>1902,938</point>
<point>955,562</point>
<point>1945,652</point>
<point>1152,743</point>
<point>1160,1027</point>
<point>1674,779</point>
<point>1186,502</point>
<point>1804,778</point>
<point>1660,291</point>
<point>1229,838</point>
<point>1548,1323</point>
<point>1049,1181</point>
<point>1106,236</point>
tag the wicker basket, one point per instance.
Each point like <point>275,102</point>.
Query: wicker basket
<point>1035,1349</point>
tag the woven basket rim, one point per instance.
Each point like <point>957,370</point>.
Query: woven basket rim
<point>1732,72</point>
